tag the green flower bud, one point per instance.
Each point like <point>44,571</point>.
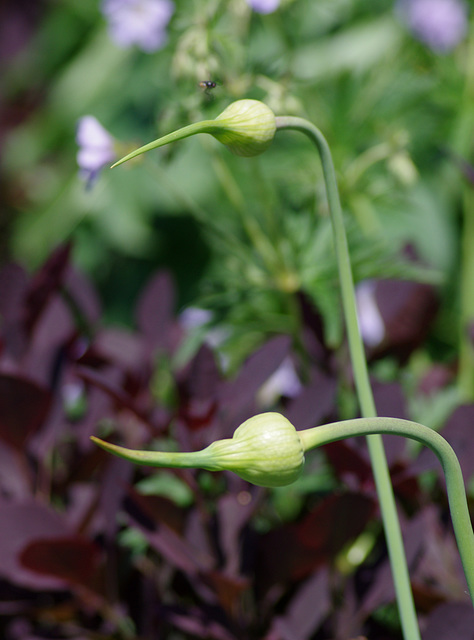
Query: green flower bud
<point>249,127</point>
<point>246,127</point>
<point>265,450</point>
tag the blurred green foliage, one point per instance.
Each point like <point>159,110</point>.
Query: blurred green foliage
<point>243,236</point>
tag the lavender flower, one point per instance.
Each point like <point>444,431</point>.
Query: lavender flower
<point>263,6</point>
<point>138,22</point>
<point>96,148</point>
<point>371,325</point>
<point>441,24</point>
<point>196,319</point>
<point>283,382</point>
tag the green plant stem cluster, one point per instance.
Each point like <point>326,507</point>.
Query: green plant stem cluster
<point>361,377</point>
<point>247,128</point>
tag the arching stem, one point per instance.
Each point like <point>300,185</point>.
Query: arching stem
<point>378,459</point>
<point>454,480</point>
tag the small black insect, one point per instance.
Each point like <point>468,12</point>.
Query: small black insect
<point>207,85</point>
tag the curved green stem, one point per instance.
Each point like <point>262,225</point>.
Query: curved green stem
<point>454,480</point>
<point>383,483</point>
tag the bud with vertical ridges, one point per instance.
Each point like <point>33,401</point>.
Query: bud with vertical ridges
<point>249,127</point>
<point>265,450</point>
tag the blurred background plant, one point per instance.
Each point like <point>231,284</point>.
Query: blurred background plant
<point>248,245</point>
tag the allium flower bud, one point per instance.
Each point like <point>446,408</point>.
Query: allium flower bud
<point>265,450</point>
<point>249,127</point>
<point>246,127</point>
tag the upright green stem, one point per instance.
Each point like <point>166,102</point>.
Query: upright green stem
<point>454,480</point>
<point>462,144</point>
<point>361,376</point>
<point>466,348</point>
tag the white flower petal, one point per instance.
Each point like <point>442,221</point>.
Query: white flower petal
<point>371,325</point>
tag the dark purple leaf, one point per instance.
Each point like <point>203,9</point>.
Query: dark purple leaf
<point>408,310</point>
<point>381,589</point>
<point>450,621</point>
<point>307,609</point>
<point>45,283</point>
<point>389,399</point>
<point>83,297</point>
<point>203,375</point>
<point>315,540</point>
<point>390,402</point>
<point>177,551</point>
<point>155,312</point>
<point>73,559</point>
<point>13,285</point>
<point>198,387</point>
<point>237,395</point>
<point>313,331</point>
<point>114,390</point>
<point>100,406</point>
<point>458,432</point>
<point>199,625</point>
<point>148,510</point>
<point>15,478</point>
<point>438,574</point>
<point>349,462</point>
<point>197,414</point>
<point>314,403</point>
<point>121,348</point>
<point>18,26</point>
<point>24,406</point>
<point>114,485</point>
<point>163,538</point>
<point>47,350</point>
<point>234,513</point>
<point>21,524</point>
<point>229,589</point>
<point>438,377</point>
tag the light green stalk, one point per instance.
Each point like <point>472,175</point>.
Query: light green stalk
<point>454,480</point>
<point>361,376</point>
<point>462,146</point>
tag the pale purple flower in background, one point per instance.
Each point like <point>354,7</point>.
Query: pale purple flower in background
<point>96,148</point>
<point>194,317</point>
<point>283,382</point>
<point>264,6</point>
<point>197,319</point>
<point>138,22</point>
<point>371,325</point>
<point>441,24</point>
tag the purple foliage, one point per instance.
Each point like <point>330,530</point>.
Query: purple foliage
<point>207,568</point>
